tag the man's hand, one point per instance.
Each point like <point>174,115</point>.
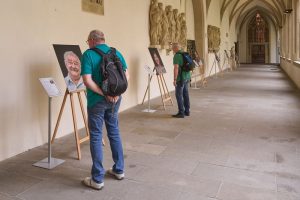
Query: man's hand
<point>89,83</point>
<point>176,66</point>
<point>174,83</point>
<point>112,99</point>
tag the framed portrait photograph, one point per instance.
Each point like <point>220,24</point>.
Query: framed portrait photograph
<point>191,48</point>
<point>158,64</point>
<point>68,57</point>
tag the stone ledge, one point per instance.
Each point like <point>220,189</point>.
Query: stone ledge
<point>297,63</point>
<point>282,57</point>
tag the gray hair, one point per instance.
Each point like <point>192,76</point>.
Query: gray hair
<point>176,44</point>
<point>70,53</point>
<point>96,35</point>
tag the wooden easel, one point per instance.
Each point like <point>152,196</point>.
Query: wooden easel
<point>216,64</point>
<point>232,63</point>
<point>226,62</point>
<point>164,92</point>
<point>78,140</point>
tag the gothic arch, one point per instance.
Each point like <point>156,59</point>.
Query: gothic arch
<point>251,12</point>
<point>238,8</point>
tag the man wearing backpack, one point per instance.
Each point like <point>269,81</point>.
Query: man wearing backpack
<point>181,83</point>
<point>101,108</point>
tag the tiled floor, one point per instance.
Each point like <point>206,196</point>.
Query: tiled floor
<point>241,142</point>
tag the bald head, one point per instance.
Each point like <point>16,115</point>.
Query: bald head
<point>96,35</point>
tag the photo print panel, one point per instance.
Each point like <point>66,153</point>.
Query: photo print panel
<point>158,64</point>
<point>68,57</point>
<point>191,48</point>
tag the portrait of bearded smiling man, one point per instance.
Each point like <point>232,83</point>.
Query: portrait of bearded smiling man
<point>73,79</point>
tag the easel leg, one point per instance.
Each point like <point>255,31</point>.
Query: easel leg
<point>75,127</point>
<point>83,114</point>
<point>220,69</point>
<point>211,68</point>
<point>163,87</point>
<point>204,81</point>
<point>59,116</point>
<point>147,90</point>
<point>161,94</point>
<point>163,78</point>
<point>215,63</point>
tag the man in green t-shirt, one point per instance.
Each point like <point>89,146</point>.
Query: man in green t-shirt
<point>101,109</point>
<point>181,83</point>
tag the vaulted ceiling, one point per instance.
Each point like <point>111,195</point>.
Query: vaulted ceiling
<point>240,10</point>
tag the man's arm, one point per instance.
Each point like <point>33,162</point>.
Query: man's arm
<point>175,73</point>
<point>89,83</point>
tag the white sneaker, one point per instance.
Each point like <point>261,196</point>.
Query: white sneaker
<point>88,181</point>
<point>117,176</point>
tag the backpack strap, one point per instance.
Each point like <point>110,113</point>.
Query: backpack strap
<point>103,60</point>
<point>100,52</point>
<point>113,50</point>
<point>180,66</point>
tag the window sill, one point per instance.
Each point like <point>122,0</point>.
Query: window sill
<point>297,63</point>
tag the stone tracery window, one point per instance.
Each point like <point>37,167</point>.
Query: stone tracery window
<point>258,31</point>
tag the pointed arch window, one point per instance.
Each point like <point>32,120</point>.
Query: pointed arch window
<point>258,31</point>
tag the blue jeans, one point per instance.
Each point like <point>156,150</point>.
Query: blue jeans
<point>105,112</point>
<point>182,96</point>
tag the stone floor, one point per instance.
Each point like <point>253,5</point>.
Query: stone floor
<point>241,142</point>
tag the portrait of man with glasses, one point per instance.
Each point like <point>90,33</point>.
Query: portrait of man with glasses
<point>73,79</point>
<point>69,60</point>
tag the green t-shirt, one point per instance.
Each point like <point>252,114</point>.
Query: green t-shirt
<point>178,59</point>
<point>90,64</point>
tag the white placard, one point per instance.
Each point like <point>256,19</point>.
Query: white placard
<point>149,70</point>
<point>196,64</point>
<point>50,87</point>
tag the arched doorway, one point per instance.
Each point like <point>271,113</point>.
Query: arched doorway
<point>258,39</point>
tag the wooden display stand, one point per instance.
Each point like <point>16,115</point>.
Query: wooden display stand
<point>78,140</point>
<point>201,73</point>
<point>232,63</point>
<point>216,64</point>
<point>164,92</point>
<point>226,62</point>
